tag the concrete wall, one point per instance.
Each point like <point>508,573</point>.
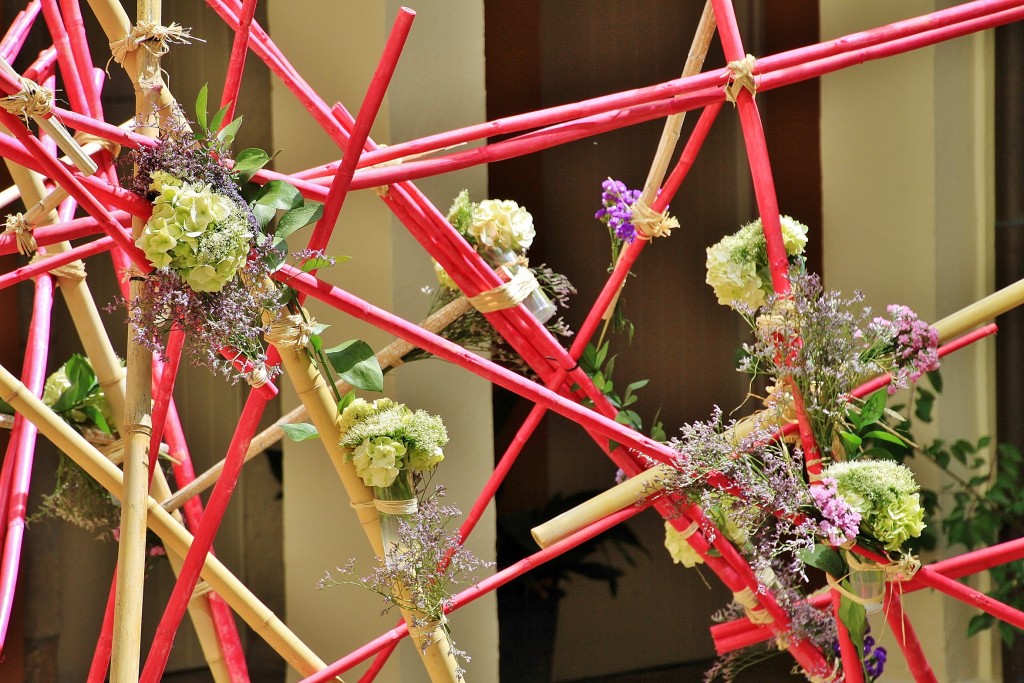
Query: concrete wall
<point>439,85</point>
<point>908,206</point>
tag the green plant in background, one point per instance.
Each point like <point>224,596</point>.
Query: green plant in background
<point>599,366</point>
<point>984,505</point>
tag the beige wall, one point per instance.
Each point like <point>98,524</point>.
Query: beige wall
<point>908,208</point>
<point>439,85</point>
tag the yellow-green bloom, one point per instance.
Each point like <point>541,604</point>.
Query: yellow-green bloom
<point>378,460</point>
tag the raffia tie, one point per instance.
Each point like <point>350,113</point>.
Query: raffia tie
<point>741,77</point>
<point>71,271</point>
<point>153,37</point>
<point>651,224</point>
<point>422,630</point>
<point>112,148</point>
<point>258,376</point>
<point>902,570</point>
<point>755,613</point>
<point>507,295</point>
<point>780,319</point>
<point>33,100</point>
<point>290,332</point>
<point>396,507</point>
<point>22,231</point>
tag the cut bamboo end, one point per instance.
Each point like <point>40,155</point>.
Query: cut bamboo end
<point>629,492</point>
<point>980,312</point>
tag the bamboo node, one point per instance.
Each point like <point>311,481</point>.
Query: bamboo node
<point>22,231</point>
<point>741,77</point>
<point>32,100</point>
<point>83,139</point>
<point>651,224</point>
<point>69,271</point>
<point>290,331</point>
<point>506,295</point>
<point>151,36</point>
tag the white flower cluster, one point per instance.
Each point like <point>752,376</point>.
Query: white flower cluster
<point>738,265</point>
<point>199,234</point>
<point>886,496</point>
<point>502,224</point>
<point>387,437</point>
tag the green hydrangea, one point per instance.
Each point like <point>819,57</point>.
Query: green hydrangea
<point>886,496</point>
<point>201,235</point>
<point>737,266</point>
<point>420,434</point>
<point>378,460</point>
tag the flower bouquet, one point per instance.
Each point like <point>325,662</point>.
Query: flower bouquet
<point>392,447</point>
<point>500,231</point>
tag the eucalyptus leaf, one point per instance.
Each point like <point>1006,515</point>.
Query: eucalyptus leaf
<point>301,431</point>
<point>278,194</point>
<point>355,363</point>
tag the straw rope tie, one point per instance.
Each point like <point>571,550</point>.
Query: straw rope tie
<point>258,376</point>
<point>755,612</point>
<point>69,271</point>
<point>507,295</point>
<point>32,100</point>
<point>418,629</point>
<point>396,507</point>
<point>689,531</point>
<point>650,224</point>
<point>22,231</point>
<point>290,331</point>
<point>83,139</point>
<point>741,77</point>
<point>151,36</point>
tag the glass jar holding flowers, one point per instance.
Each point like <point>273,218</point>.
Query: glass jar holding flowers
<point>391,448</point>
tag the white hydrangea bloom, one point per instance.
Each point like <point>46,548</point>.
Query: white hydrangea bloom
<point>502,224</point>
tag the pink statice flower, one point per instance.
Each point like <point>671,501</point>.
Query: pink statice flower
<point>840,522</point>
<point>914,343</point>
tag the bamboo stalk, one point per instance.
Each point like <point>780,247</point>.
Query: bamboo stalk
<point>175,538</point>
<point>388,357</point>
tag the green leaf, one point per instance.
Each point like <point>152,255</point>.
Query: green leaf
<point>265,214</point>
<point>884,436</point>
<point>935,378</point>
<point>227,134</point>
<point>201,106</point>
<point>873,408</point>
<point>83,381</point>
<point>854,618</point>
<point>298,217</point>
<point>825,558</point>
<point>850,441</point>
<point>278,194</point>
<point>979,623</point>
<point>315,263</point>
<point>248,161</point>
<point>218,117</point>
<point>300,431</point>
<point>346,400</point>
<point>96,416</point>
<point>317,342</point>
<point>6,408</point>
<point>924,405</point>
<point>355,363</point>
<point>639,384</point>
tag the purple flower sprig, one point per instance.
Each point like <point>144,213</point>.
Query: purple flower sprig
<point>617,209</point>
<point>913,342</point>
<point>875,657</point>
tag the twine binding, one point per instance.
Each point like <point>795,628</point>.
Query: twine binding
<point>755,612</point>
<point>32,100</point>
<point>75,270</point>
<point>290,331</point>
<point>396,507</point>
<point>258,376</point>
<point>83,139</point>
<point>650,224</point>
<point>507,295</point>
<point>741,77</point>
<point>152,37</point>
<point>22,231</point>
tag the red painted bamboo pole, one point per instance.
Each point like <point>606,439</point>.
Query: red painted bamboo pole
<point>77,228</point>
<point>65,58</point>
<point>236,63</point>
<point>165,374</point>
<point>849,652</point>
<point>193,564</point>
<point>360,132</point>
<point>21,449</point>
<point>74,24</point>
<point>104,644</point>
<point>906,637</point>
<point>16,35</point>
<point>43,67</point>
<point>63,258</point>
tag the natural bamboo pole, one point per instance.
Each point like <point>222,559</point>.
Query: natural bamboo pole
<point>388,357</point>
<point>263,621</point>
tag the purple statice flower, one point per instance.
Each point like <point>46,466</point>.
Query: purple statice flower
<point>914,345</point>
<point>617,209</point>
<point>841,522</point>
<point>874,658</point>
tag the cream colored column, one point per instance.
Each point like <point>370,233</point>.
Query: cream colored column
<point>907,188</point>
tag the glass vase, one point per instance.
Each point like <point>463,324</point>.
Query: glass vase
<point>868,584</point>
<point>507,264</point>
<point>394,503</point>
